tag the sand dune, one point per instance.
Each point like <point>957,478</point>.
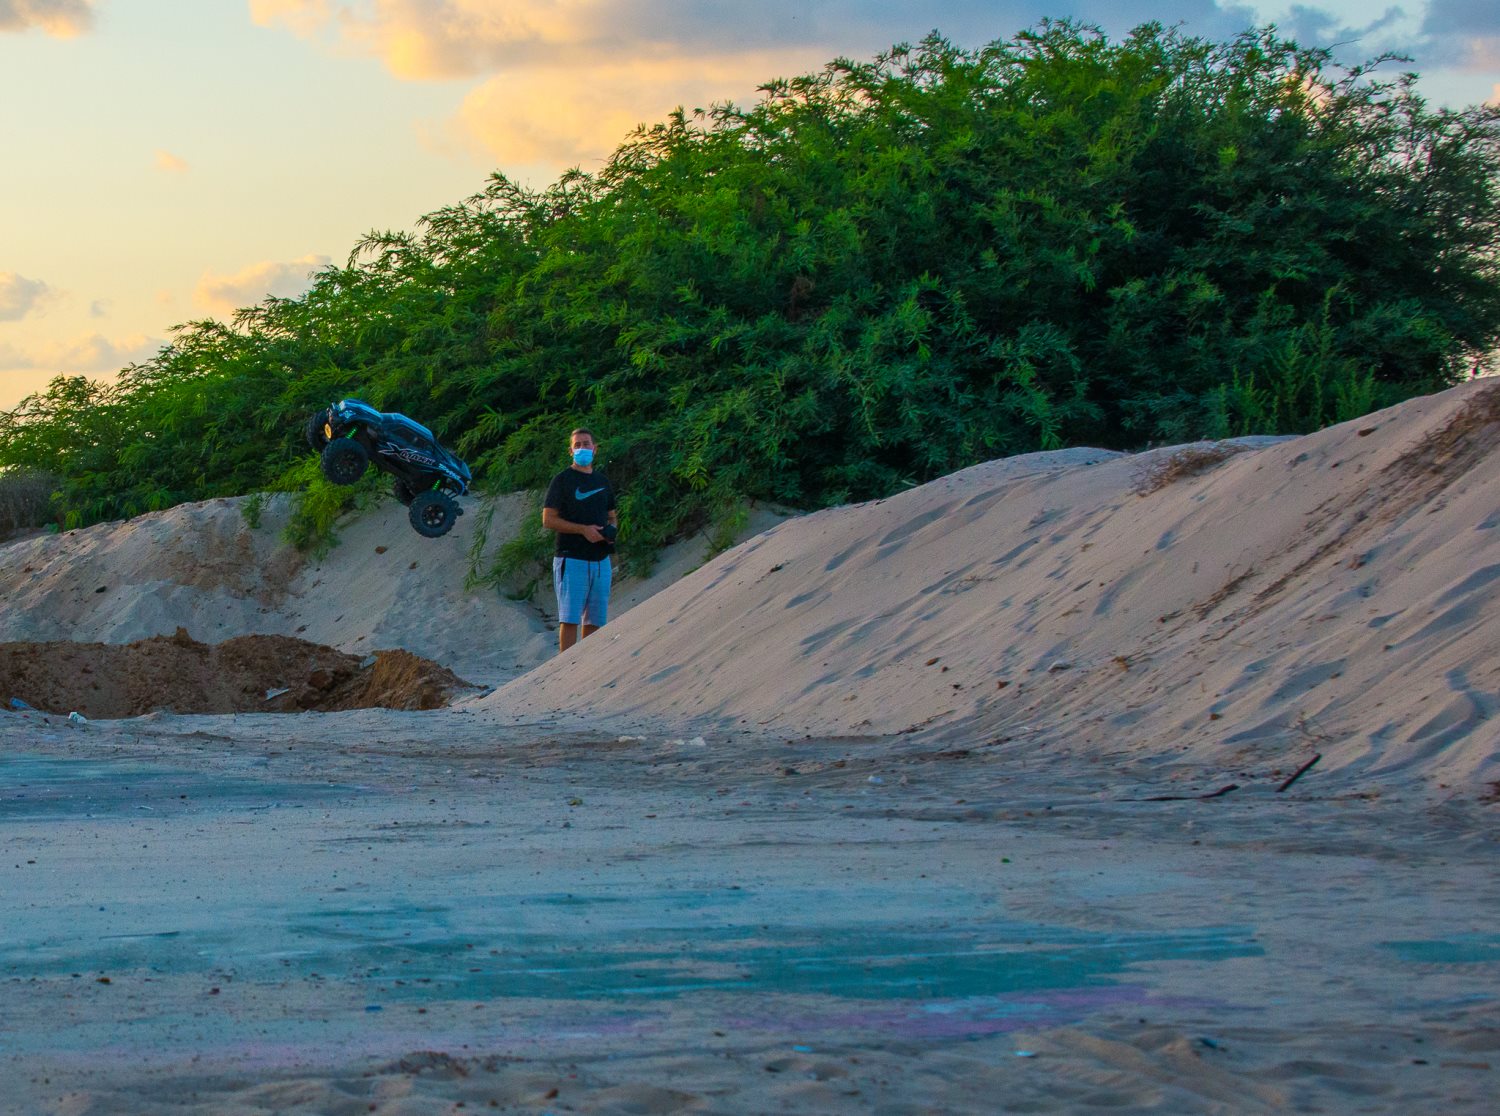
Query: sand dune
<point>201,567</point>
<point>1331,594</point>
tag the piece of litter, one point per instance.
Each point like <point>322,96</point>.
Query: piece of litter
<point>803,1049</point>
<point>367,663</point>
<point>876,780</point>
<point>1025,1053</point>
<point>1061,664</point>
<point>277,692</point>
<point>77,718</point>
<point>629,739</point>
<point>17,703</point>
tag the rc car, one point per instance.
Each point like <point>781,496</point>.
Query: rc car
<point>351,436</point>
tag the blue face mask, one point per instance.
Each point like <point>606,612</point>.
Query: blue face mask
<point>583,457</point>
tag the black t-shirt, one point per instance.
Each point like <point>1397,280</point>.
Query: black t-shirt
<point>586,498</point>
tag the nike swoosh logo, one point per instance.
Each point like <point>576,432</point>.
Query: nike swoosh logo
<point>578,495</point>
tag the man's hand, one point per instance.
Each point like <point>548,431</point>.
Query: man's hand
<point>552,521</point>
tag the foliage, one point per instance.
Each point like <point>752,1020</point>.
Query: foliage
<point>253,508</point>
<point>874,275</point>
<point>519,564</point>
<point>310,527</point>
<point>25,499</point>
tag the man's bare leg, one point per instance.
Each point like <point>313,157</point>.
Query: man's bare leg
<point>567,635</point>
<point>588,630</point>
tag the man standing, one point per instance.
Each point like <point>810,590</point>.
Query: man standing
<point>580,507</point>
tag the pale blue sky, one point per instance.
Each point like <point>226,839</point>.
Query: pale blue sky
<point>172,159</point>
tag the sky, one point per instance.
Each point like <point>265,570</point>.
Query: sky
<point>165,161</point>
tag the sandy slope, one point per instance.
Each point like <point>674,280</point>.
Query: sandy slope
<point>201,567</point>
<point>1331,595</point>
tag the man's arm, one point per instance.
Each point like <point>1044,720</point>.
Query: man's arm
<point>552,520</point>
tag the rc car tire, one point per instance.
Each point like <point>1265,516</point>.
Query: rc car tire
<point>344,461</point>
<point>433,513</point>
<point>403,492</point>
<point>314,430</point>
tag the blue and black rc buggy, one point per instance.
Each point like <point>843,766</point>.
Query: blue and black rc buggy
<point>351,436</point>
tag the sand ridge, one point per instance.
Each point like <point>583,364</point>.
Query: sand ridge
<point>1325,595</point>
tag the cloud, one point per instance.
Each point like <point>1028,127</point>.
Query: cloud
<point>224,294</point>
<point>62,19</point>
<point>166,161</point>
<point>1464,33</point>
<point>19,295</point>
<point>99,308</point>
<point>1463,17</point>
<point>419,39</point>
<point>550,117</point>
<point>562,82</point>
<point>446,39</point>
<point>89,353</point>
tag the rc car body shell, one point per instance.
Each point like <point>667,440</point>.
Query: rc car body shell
<point>400,446</point>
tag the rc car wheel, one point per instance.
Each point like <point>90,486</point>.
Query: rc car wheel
<point>433,513</point>
<point>314,430</point>
<point>403,492</point>
<point>344,461</point>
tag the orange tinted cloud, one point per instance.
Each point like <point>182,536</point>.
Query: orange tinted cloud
<point>166,161</point>
<point>454,38</point>
<point>224,294</point>
<point>550,116</point>
<point>88,353</point>
<point>62,19</point>
<point>441,39</point>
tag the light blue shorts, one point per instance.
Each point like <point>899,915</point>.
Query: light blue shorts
<point>582,591</point>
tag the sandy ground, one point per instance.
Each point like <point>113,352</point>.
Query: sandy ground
<point>1164,783</point>
<point>329,912</point>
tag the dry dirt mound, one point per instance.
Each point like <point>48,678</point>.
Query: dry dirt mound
<point>258,673</point>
